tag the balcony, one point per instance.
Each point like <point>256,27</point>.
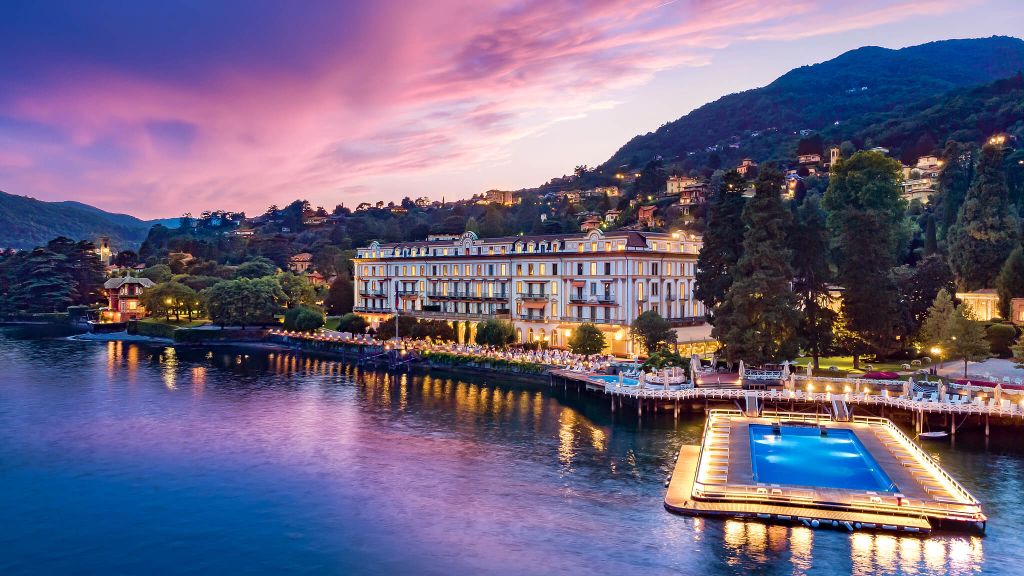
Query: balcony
<point>534,295</point>
<point>502,314</point>
<point>408,292</point>
<point>686,321</point>
<point>605,321</point>
<point>373,293</point>
<point>372,309</point>
<point>594,299</point>
<point>533,317</point>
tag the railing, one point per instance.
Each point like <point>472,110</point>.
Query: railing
<point>373,309</point>
<point>533,317</point>
<point>375,293</point>
<point>442,315</point>
<point>534,295</point>
<point>607,321</point>
<point>408,292</point>
<point>686,321</point>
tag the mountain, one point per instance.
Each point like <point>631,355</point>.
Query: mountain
<point>867,80</point>
<point>26,222</point>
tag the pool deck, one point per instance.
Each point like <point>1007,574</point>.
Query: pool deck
<point>716,479</point>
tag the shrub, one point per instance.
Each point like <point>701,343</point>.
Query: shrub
<point>353,323</point>
<point>303,319</point>
<point>1000,337</point>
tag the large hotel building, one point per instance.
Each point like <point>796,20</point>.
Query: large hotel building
<point>545,285</point>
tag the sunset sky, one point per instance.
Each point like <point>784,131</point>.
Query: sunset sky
<point>155,109</point>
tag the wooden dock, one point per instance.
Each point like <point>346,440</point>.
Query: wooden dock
<point>715,479</point>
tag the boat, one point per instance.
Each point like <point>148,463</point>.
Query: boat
<point>933,435</point>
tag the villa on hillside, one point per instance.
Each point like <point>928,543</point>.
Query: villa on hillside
<point>301,262</point>
<point>123,296</point>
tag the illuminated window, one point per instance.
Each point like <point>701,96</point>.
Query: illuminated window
<point>593,268</point>
<point>543,269</point>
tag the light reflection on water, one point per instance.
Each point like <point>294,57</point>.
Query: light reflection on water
<point>248,461</point>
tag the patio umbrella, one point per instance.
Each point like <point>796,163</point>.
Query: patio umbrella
<point>809,371</point>
<point>642,379</point>
<point>942,392</point>
<point>907,387</point>
<point>998,393</point>
<point>785,370</point>
<point>741,370</point>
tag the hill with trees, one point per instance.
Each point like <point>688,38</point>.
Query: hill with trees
<point>26,222</point>
<point>760,123</point>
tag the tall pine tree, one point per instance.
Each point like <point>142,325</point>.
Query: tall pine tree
<point>1010,283</point>
<point>758,319</point>
<point>865,220</point>
<point>987,227</point>
<point>811,275</point>
<point>723,244</point>
<point>954,180</point>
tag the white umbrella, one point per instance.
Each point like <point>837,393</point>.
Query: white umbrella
<point>998,393</point>
<point>810,369</point>
<point>741,370</point>
<point>907,387</point>
<point>785,370</point>
<point>942,392</point>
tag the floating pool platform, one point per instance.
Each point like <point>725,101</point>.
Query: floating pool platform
<point>784,467</point>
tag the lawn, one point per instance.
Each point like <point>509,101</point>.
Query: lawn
<point>183,323</point>
<point>332,322</point>
<point>845,364</point>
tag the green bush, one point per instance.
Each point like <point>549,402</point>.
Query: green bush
<point>153,329</point>
<point>353,323</point>
<point>303,319</point>
<point>587,339</point>
<point>1000,337</point>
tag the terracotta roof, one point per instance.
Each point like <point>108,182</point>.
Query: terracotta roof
<point>118,282</point>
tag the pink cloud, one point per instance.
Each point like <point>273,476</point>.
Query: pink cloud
<point>419,89</point>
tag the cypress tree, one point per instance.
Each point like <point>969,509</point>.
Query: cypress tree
<point>1010,283</point>
<point>723,244</point>
<point>931,240</point>
<point>987,228</point>
<point>954,180</point>
<point>759,317</point>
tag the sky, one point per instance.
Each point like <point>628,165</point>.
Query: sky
<point>160,108</point>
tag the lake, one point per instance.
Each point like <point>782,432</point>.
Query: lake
<point>122,458</point>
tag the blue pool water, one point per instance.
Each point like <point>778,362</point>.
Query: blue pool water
<point>801,456</point>
<point>615,380</point>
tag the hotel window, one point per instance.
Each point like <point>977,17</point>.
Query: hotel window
<point>504,269</point>
<point>554,269</point>
<point>640,268</point>
<point>607,246</point>
<point>607,268</point>
<point>593,268</point>
<point>490,269</point>
<point>554,288</point>
<point>445,251</point>
<point>593,246</point>
<point>543,269</point>
<point>579,268</point>
<point>529,269</point>
<point>654,289</point>
<point>519,287</point>
<point>640,291</point>
<point>579,247</point>
<point>132,305</point>
<point>519,269</point>
<point>622,245</point>
<point>445,270</point>
<point>654,268</point>
<point>433,270</point>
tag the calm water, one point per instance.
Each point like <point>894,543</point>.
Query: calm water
<point>125,459</point>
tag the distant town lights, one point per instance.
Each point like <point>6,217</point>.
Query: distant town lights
<point>997,139</point>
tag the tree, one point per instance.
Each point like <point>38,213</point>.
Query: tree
<point>968,336</point>
<point>954,180</point>
<point>931,241</point>
<point>126,258</point>
<point>341,295</point>
<point>1000,337</point>
<point>935,328</point>
<point>158,273</point>
<point>303,319</point>
<point>169,298</point>
<point>244,301</point>
<point>1010,283</point>
<point>759,317</point>
<point>651,332</point>
<point>297,290</point>
<point>866,224</point>
<point>353,323</point>
<point>495,332</point>
<point>472,225</point>
<point>918,287</point>
<point>587,339</point>
<point>811,275</point>
<point>256,268</point>
<point>722,244</point>
<point>987,228</point>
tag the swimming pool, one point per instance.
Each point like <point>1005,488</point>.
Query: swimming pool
<point>615,380</point>
<point>801,456</point>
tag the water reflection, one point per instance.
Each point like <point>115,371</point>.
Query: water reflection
<point>350,461</point>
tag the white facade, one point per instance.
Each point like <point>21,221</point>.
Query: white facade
<point>546,285</point>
